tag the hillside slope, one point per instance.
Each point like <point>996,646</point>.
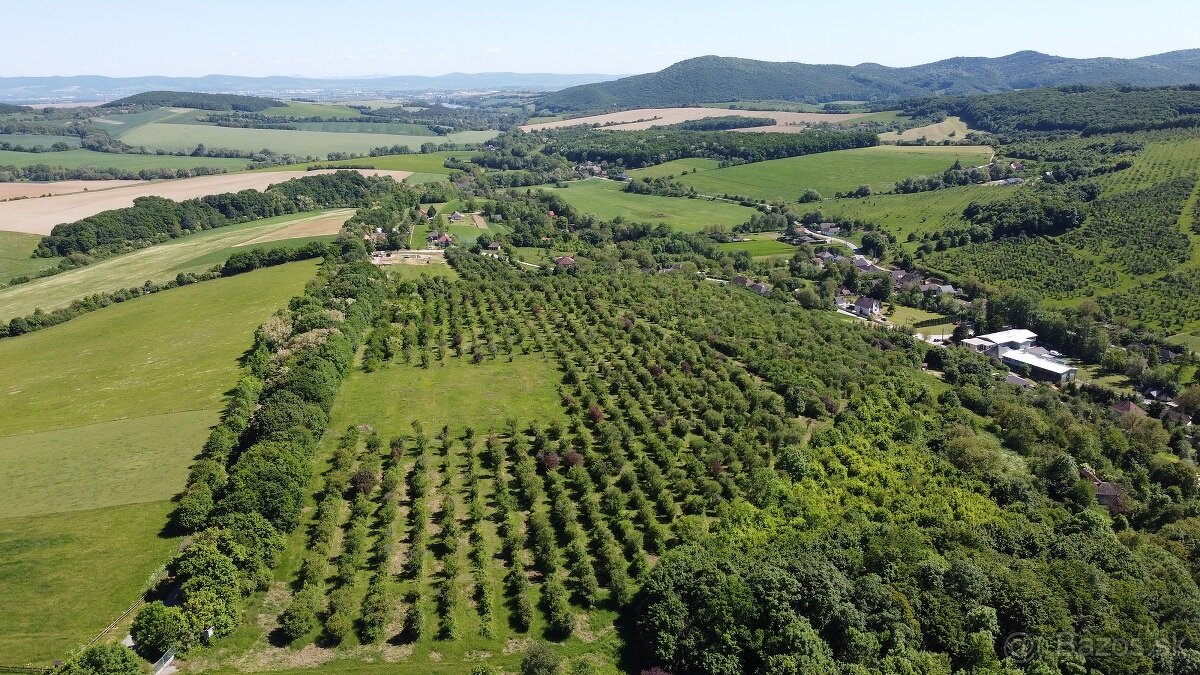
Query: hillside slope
<point>709,79</point>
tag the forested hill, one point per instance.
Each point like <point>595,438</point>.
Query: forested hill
<point>709,79</point>
<point>6,108</point>
<point>190,99</point>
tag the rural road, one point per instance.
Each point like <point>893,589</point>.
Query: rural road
<point>40,215</point>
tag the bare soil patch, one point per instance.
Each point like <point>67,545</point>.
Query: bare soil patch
<point>645,118</point>
<point>60,187</point>
<point>39,216</point>
<point>409,258</point>
<point>479,221</point>
<point>313,226</point>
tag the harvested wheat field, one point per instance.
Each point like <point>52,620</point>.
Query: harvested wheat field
<point>39,216</point>
<point>59,187</point>
<point>314,226</point>
<point>644,118</point>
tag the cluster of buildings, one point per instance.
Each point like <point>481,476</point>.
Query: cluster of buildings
<point>759,287</point>
<point>1015,349</point>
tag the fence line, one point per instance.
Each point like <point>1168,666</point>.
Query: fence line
<point>137,603</point>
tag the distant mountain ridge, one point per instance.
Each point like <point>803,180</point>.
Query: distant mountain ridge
<point>713,79</point>
<point>92,88</point>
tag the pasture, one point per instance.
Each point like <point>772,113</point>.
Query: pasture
<point>675,167</point>
<point>606,199</point>
<point>159,264</point>
<point>918,213</point>
<point>38,140</point>
<point>760,246</point>
<point>15,249</point>
<point>831,172</point>
<point>100,419</point>
<point>174,137</point>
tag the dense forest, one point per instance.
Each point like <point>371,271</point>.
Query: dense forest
<point>1087,110</point>
<point>191,99</point>
<point>637,149</point>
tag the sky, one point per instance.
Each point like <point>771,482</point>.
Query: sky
<point>401,37</point>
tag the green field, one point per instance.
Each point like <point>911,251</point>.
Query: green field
<point>38,140</point>
<point>952,128</point>
<point>172,137</point>
<point>161,263</point>
<point>398,128</point>
<point>675,168</point>
<point>15,249</point>
<point>605,199</point>
<point>75,159</point>
<point>309,109</point>
<point>912,213</point>
<point>99,421</point>
<point>760,247</point>
<point>831,172</point>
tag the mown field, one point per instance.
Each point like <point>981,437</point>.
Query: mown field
<point>100,419</point>
<point>605,199</point>
<point>419,163</point>
<point>916,213</point>
<point>75,159</point>
<point>760,246</point>
<point>675,168</point>
<point>15,249</point>
<point>40,141</point>
<point>173,137</point>
<point>831,172</point>
<point>159,264</point>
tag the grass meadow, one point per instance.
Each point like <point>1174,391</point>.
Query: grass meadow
<point>605,199</point>
<point>419,163</point>
<point>760,247</point>
<point>15,249</point>
<point>831,172</point>
<point>100,419</point>
<point>39,140</point>
<point>160,263</point>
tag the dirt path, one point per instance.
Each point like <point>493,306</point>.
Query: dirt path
<point>39,216</point>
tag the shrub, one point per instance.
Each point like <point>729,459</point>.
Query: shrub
<point>300,617</point>
<point>540,660</point>
<point>103,659</point>
<point>157,628</point>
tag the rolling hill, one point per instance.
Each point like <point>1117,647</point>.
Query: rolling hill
<point>709,79</point>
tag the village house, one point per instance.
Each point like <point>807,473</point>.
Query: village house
<point>1024,383</point>
<point>863,264</point>
<point>440,239</point>
<point>456,217</point>
<point>494,246</point>
<point>564,261</point>
<point>744,282</point>
<point>1176,417</point>
<point>761,288</point>
<point>1127,407</point>
<point>1107,494</point>
<point>866,306</point>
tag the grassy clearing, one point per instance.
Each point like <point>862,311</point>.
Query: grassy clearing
<point>926,323</point>
<point>66,575</point>
<point>164,353</point>
<point>99,420</point>
<point>118,124</point>
<point>310,109</point>
<point>161,263</point>
<point>952,128</point>
<point>74,159</point>
<point>172,137</point>
<point>917,213</point>
<point>605,199</point>
<point>760,247</point>
<point>675,168</point>
<point>830,172</point>
<point>38,140</point>
<point>412,272</point>
<point>15,249</point>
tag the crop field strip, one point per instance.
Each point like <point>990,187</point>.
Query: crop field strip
<point>158,264</point>
<point>99,421</point>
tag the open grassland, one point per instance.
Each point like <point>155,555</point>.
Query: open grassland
<point>38,140</point>
<point>15,249</point>
<point>917,213</point>
<point>99,419</point>
<point>310,109</point>
<point>39,216</point>
<point>75,159</point>
<point>951,128</point>
<point>118,124</point>
<point>760,247</point>
<point>172,137</point>
<point>645,118</point>
<point>676,167</point>
<point>830,172</point>
<point>159,264</point>
<point>605,199</point>
<point>422,163</point>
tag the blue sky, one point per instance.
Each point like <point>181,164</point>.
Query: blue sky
<point>400,37</point>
